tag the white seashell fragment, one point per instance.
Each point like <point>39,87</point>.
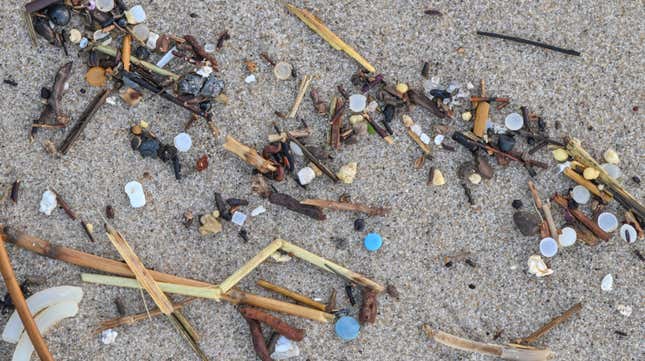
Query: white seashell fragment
<point>48,203</point>
<point>624,310</point>
<point>607,283</point>
<point>284,349</point>
<point>538,267</point>
<point>44,321</point>
<point>135,15</point>
<point>36,303</point>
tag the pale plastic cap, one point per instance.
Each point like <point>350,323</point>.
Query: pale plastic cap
<point>627,229</point>
<point>357,103</point>
<point>548,247</point>
<point>580,194</point>
<point>183,142</point>
<point>135,193</point>
<point>612,169</point>
<point>514,121</point>
<point>568,237</point>
<point>104,5</point>
<point>607,222</point>
<point>282,70</point>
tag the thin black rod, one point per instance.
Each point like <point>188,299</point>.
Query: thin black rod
<point>530,42</point>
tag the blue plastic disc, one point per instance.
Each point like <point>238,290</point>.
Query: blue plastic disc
<point>373,241</point>
<point>347,328</point>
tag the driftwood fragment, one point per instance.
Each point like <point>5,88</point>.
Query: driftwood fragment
<point>249,155</point>
<point>581,217</point>
<point>368,310</point>
<point>346,206</point>
<point>257,338</point>
<point>291,294</point>
<point>275,323</point>
<point>549,325</point>
<point>503,352</point>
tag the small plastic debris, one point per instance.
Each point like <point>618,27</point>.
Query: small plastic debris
<point>612,169</point>
<point>59,14</point>
<point>611,156</point>
<point>371,108</point>
<point>439,139</point>
<point>357,103</point>
<point>166,58</point>
<point>402,88</point>
<point>416,129</point>
<point>141,32</point>
<point>284,349</point>
<point>282,70</point>
<point>560,155</point>
<point>210,48</point>
<point>437,178</point>
<point>83,43</point>
<point>95,76</point>
<point>607,222</point>
<point>183,142</point>
<point>151,43</point>
<point>135,193</point>
<point>238,218</point>
<point>373,241</point>
<point>135,15</point>
<point>347,173</point>
<point>48,203</point>
<point>514,121</point>
<point>108,336</point>
<point>425,138</point>
<point>506,142</point>
<point>628,233</point>
<point>280,257</point>
<point>624,310</point>
<point>306,175</point>
<point>538,267</point>
<point>210,224</point>
<point>467,116</point>
<point>295,149</point>
<point>568,237</point>
<point>75,36</point>
<point>347,328</point>
<point>149,148</point>
<point>475,178</point>
<point>250,79</point>
<point>104,5</point>
<point>204,71</point>
<point>580,194</point>
<point>607,283</point>
<point>548,247</point>
<point>99,35</point>
<point>257,211</point>
<point>359,225</point>
<point>591,173</point>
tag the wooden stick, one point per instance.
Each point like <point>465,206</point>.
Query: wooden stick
<point>20,304</point>
<point>546,209</point>
<point>140,271</point>
<point>574,176</point>
<point>330,266</point>
<point>534,193</point>
<point>249,155</point>
<point>233,279</point>
<point>234,296</point>
<point>574,148</point>
<point>275,323</point>
<point>136,61</point>
<point>503,352</point>
<point>317,25</point>
<point>381,132</point>
<point>132,319</point>
<point>282,137</point>
<point>257,338</point>
<point>302,90</point>
<point>291,294</point>
<point>126,49</point>
<point>408,123</point>
<point>342,206</point>
<point>582,218</point>
<point>549,325</point>
<point>85,118</point>
<point>328,172</point>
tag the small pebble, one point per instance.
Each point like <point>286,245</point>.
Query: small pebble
<point>466,116</point>
<point>517,204</point>
<point>359,225</point>
<point>636,179</point>
<point>475,178</point>
<point>373,242</point>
